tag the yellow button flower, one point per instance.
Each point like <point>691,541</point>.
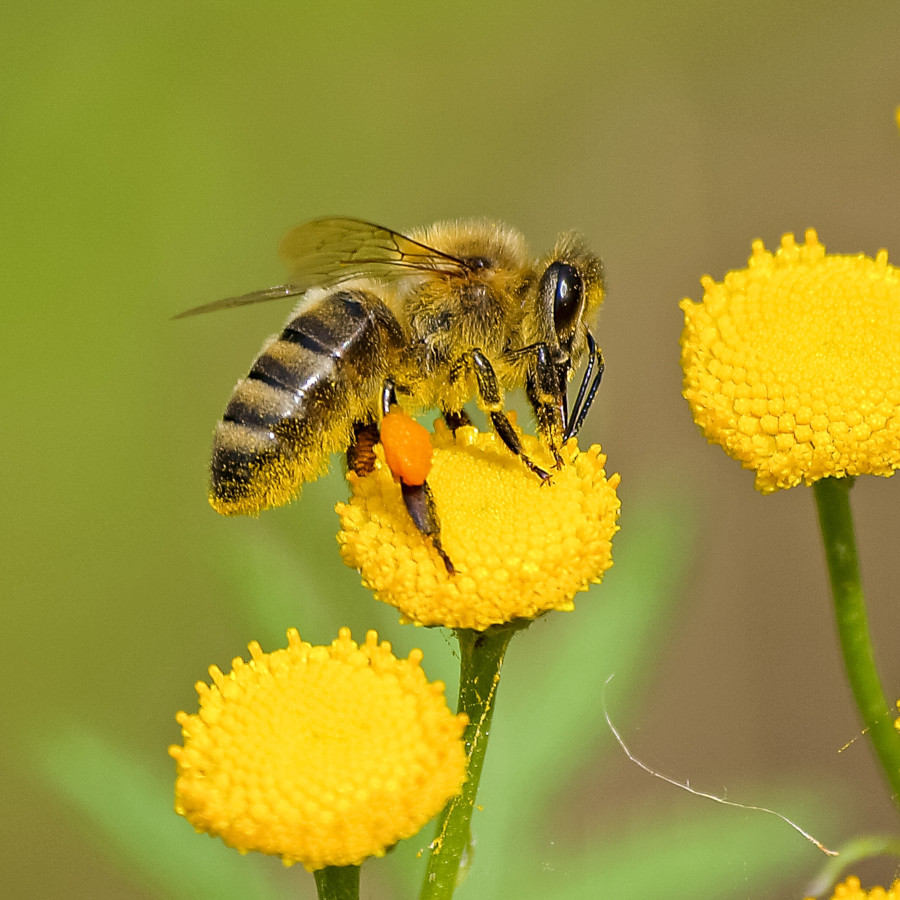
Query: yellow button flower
<point>851,890</point>
<point>321,755</point>
<point>791,364</point>
<point>519,548</point>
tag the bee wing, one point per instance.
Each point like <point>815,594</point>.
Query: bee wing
<point>272,293</point>
<point>331,250</point>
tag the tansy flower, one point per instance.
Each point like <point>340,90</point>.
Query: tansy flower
<point>321,755</point>
<point>851,890</point>
<point>791,364</point>
<point>518,547</point>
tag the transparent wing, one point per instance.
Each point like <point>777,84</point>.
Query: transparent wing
<point>272,293</point>
<point>331,250</point>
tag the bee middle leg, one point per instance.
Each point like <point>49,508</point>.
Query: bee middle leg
<point>491,400</point>
<point>456,418</point>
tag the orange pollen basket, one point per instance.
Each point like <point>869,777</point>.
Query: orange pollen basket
<point>407,447</point>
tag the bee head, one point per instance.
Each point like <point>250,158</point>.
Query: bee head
<point>569,293</point>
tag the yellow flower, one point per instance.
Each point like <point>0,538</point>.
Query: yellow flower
<point>851,890</point>
<point>321,755</point>
<point>519,547</point>
<point>791,364</point>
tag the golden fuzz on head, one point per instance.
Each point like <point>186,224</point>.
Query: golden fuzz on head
<point>791,364</point>
<point>321,755</point>
<point>852,890</point>
<point>519,548</point>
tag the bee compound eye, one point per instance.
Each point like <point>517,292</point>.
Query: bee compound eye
<point>562,285</point>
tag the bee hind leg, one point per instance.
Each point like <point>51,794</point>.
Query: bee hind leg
<point>361,451</point>
<point>417,497</point>
<point>388,395</point>
<point>420,505</point>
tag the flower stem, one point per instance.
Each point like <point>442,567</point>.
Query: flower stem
<point>481,657</point>
<point>836,523</point>
<point>338,883</point>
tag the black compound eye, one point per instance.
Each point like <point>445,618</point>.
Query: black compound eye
<point>562,284</point>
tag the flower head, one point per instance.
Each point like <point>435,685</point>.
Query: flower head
<point>851,890</point>
<point>519,547</point>
<point>790,364</point>
<point>322,755</point>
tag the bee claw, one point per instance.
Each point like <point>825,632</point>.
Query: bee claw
<point>543,474</point>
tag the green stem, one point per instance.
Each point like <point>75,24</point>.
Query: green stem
<point>338,883</point>
<point>481,657</point>
<point>836,523</point>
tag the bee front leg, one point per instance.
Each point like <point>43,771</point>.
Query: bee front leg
<point>491,400</point>
<point>590,383</point>
<point>546,389</point>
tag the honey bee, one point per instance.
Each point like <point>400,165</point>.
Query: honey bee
<point>453,311</point>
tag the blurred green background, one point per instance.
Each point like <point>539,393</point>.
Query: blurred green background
<point>152,156</point>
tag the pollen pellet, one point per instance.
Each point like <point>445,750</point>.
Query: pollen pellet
<point>407,447</point>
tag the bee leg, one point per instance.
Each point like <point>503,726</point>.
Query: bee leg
<point>417,498</point>
<point>456,418</point>
<point>585,396</point>
<point>388,395</point>
<point>419,503</point>
<point>491,401</point>
<point>361,452</point>
<point>546,389</point>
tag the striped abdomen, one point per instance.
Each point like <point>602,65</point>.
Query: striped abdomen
<point>305,390</point>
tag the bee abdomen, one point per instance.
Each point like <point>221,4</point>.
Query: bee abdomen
<point>299,401</point>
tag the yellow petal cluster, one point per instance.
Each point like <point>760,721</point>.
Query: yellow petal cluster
<point>519,547</point>
<point>323,755</point>
<point>851,890</point>
<point>791,364</point>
